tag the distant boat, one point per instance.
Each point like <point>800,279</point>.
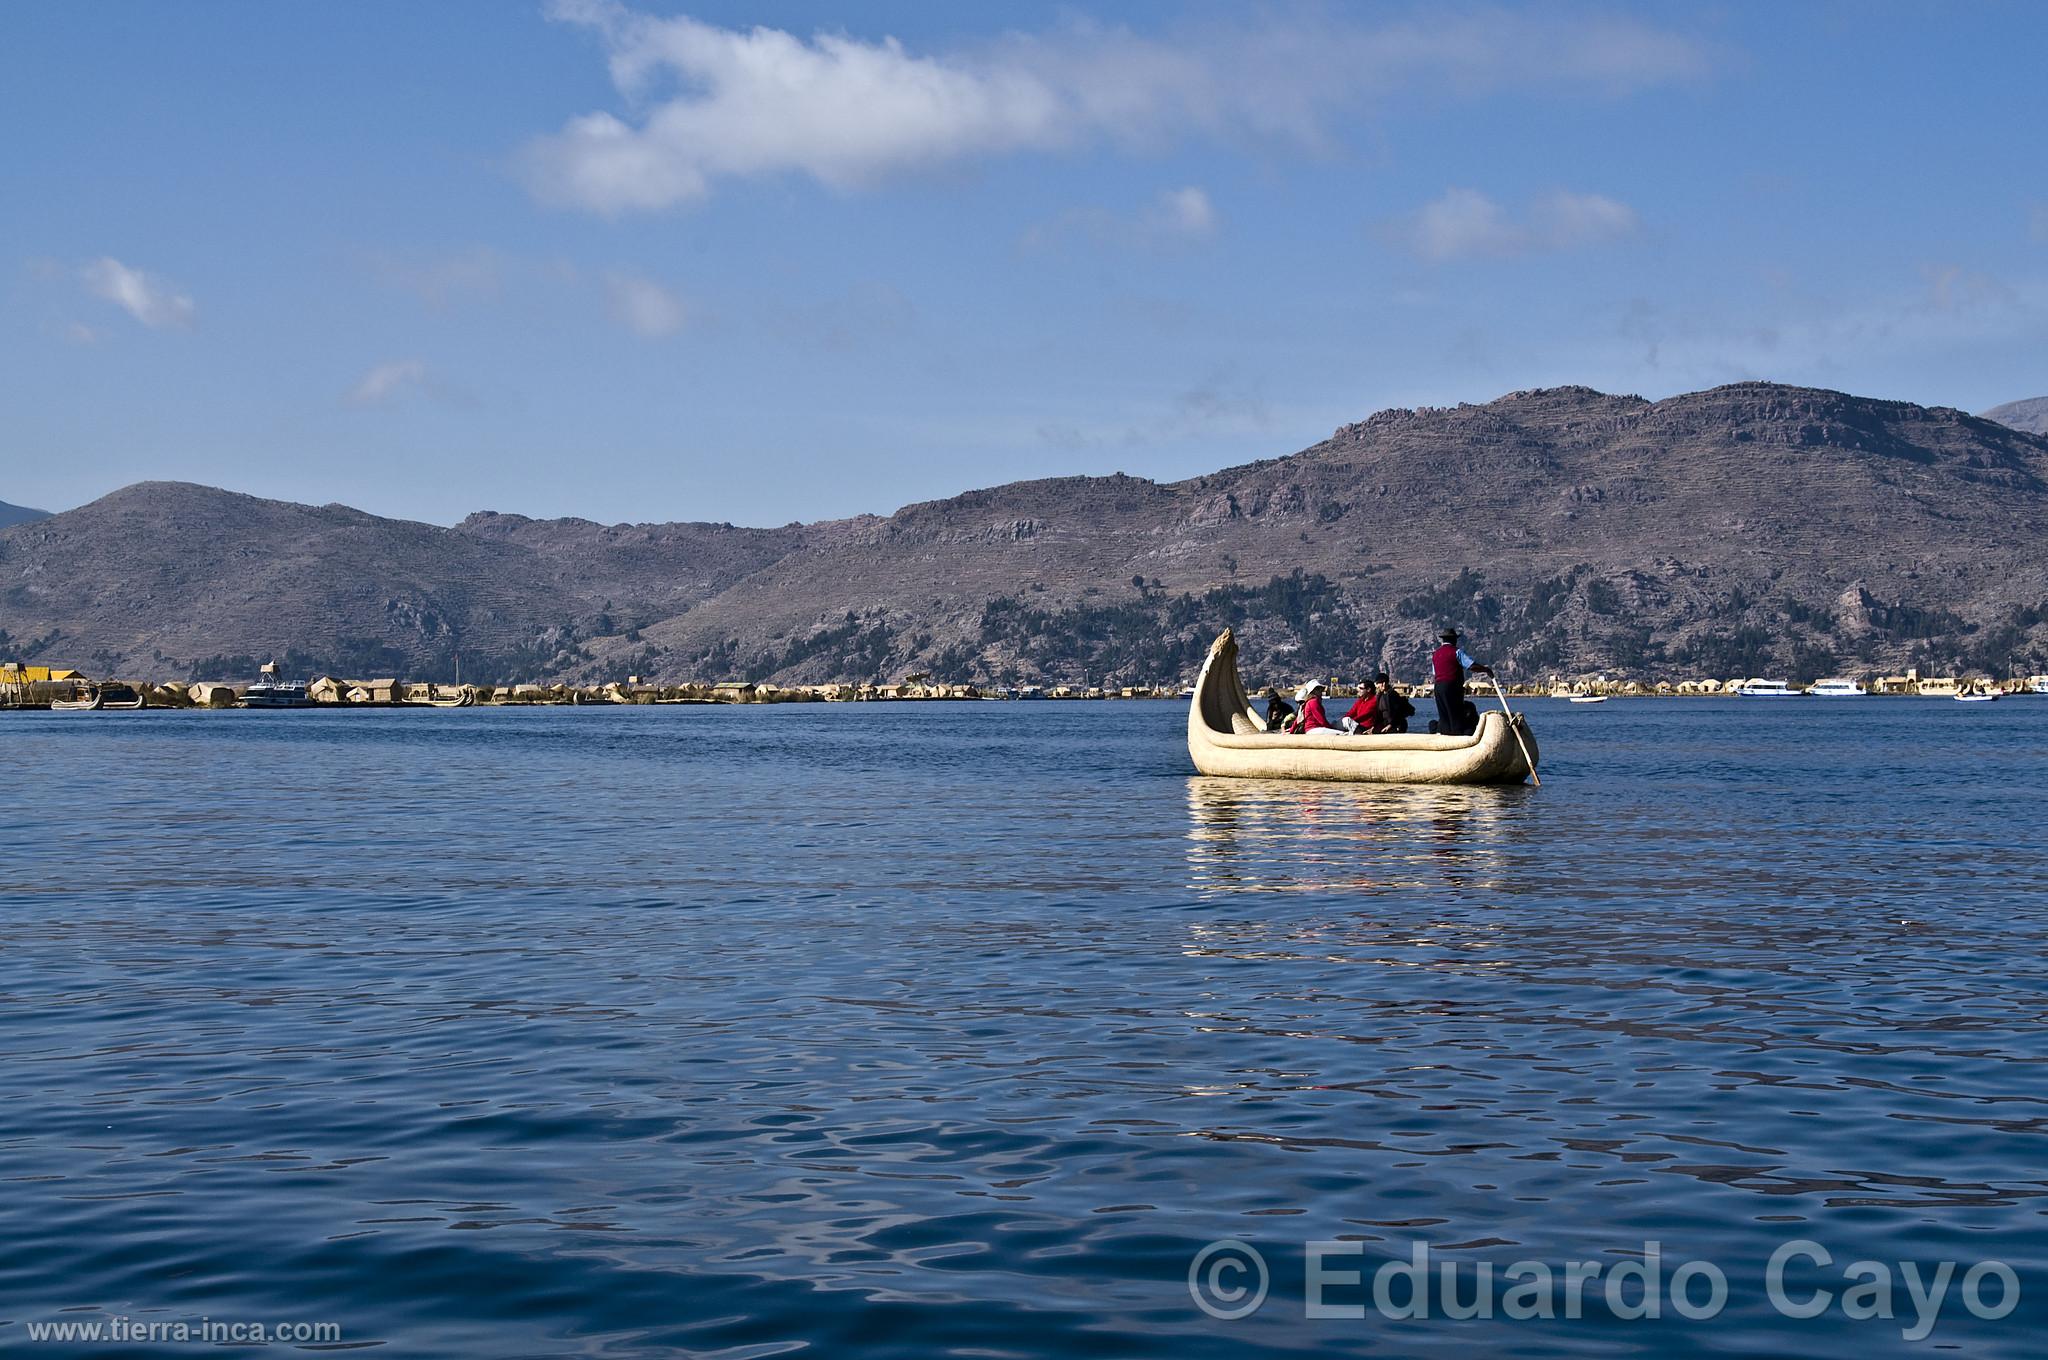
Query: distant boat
<point>1978,696</point>
<point>1766,689</point>
<point>1589,698</point>
<point>1836,689</point>
<point>271,691</point>
<point>2039,686</point>
<point>81,701</point>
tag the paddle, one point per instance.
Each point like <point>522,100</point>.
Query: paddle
<point>1514,729</point>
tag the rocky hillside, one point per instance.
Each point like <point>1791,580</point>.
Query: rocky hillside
<point>2030,415</point>
<point>1752,528</point>
<point>19,514</point>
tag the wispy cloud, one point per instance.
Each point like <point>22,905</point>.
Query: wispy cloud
<point>707,103</point>
<point>441,281</point>
<point>1185,212</point>
<point>150,300</point>
<point>1175,217</point>
<point>387,381</point>
<point>643,306</point>
<point>1219,403</point>
<point>1466,224</point>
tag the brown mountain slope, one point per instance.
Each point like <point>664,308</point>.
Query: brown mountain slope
<point>1743,528</point>
<point>168,578</point>
<point>637,574</point>
<point>1746,529</point>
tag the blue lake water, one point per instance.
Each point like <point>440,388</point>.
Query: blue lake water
<point>960,1029</point>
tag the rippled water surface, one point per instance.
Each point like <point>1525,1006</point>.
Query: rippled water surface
<point>959,1029</point>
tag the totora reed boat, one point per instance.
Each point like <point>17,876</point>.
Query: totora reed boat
<point>1226,738</point>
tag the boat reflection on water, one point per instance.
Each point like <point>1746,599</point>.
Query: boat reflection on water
<point>1259,835</point>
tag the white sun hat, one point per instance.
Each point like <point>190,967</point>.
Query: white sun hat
<point>1302,695</point>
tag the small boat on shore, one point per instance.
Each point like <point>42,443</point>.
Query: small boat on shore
<point>1978,696</point>
<point>1836,689</point>
<point>84,700</point>
<point>1766,689</point>
<point>1225,737</point>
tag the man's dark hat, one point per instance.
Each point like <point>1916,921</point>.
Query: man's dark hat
<point>1449,635</point>
<point>1382,676</point>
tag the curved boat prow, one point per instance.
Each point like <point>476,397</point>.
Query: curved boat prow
<point>1226,738</point>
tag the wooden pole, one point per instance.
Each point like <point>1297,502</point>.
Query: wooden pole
<point>1514,729</point>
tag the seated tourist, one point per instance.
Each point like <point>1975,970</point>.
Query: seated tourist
<point>1380,708</point>
<point>1312,717</point>
<point>1393,710</point>
<point>1279,713</point>
<point>1360,717</point>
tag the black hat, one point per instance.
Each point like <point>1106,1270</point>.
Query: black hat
<point>1383,676</point>
<point>1449,635</point>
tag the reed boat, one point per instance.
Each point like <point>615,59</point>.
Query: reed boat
<point>1225,737</point>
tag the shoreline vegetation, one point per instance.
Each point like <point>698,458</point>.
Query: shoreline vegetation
<point>41,687</point>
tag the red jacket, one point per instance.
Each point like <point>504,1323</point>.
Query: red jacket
<point>1366,709</point>
<point>1311,716</point>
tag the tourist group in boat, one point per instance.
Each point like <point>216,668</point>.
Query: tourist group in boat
<point>1381,709</point>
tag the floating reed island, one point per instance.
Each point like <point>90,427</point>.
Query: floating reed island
<point>47,687</point>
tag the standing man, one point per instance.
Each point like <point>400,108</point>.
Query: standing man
<point>1448,665</point>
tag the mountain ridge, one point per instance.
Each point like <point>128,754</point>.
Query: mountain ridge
<point>2029,416</point>
<point>19,514</point>
<point>1747,527</point>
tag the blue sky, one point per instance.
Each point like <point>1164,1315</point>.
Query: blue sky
<point>791,261</point>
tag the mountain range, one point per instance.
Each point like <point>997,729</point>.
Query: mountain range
<point>1750,529</point>
<point>2030,415</point>
<point>19,514</point>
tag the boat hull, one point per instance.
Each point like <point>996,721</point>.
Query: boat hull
<point>1225,739</point>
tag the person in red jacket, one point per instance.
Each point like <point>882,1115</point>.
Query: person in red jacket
<point>1364,715</point>
<point>1380,708</point>
<point>1448,666</point>
<point>1312,716</point>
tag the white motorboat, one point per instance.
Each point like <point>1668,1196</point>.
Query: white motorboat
<point>1978,696</point>
<point>1766,689</point>
<point>1836,689</point>
<point>273,691</point>
<point>1589,698</point>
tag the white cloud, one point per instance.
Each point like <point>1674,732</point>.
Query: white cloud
<point>78,333</point>
<point>643,306</point>
<point>148,299</point>
<point>1466,224</point>
<point>1187,212</point>
<point>710,103</point>
<point>388,380</point>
